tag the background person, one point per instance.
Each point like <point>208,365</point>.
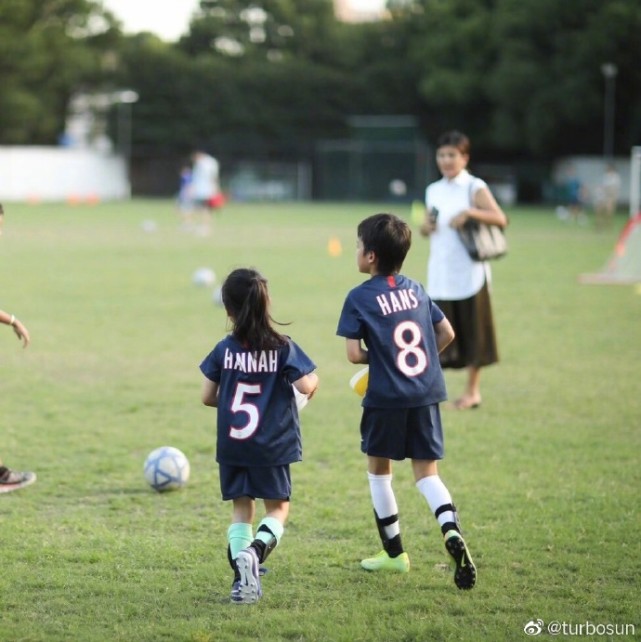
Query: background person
<point>456,283</point>
<point>607,196</point>
<point>249,377</point>
<point>205,187</point>
<point>12,479</point>
<point>576,195</point>
<point>184,199</point>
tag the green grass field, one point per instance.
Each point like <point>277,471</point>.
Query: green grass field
<point>546,473</point>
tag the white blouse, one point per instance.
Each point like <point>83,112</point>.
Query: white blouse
<point>451,274</point>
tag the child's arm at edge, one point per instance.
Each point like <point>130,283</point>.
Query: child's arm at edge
<point>209,394</point>
<point>444,334</point>
<point>355,351</point>
<point>307,385</point>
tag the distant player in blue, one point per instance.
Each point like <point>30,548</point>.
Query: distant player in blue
<point>391,324</point>
<point>184,199</point>
<point>250,377</point>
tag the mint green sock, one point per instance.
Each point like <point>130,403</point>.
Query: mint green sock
<point>272,529</point>
<point>239,536</point>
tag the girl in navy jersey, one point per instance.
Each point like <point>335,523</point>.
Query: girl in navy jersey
<point>250,377</point>
<point>390,323</point>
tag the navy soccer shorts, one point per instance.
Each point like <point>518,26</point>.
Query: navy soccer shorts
<point>402,433</point>
<point>258,482</point>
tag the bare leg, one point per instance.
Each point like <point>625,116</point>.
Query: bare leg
<point>379,465</point>
<point>278,509</point>
<point>471,397</point>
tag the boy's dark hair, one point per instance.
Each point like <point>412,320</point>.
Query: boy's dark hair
<point>389,237</point>
<point>456,139</point>
<point>246,301</point>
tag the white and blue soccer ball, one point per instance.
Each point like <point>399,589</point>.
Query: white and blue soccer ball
<point>166,468</point>
<point>204,277</point>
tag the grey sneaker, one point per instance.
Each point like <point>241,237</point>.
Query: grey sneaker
<point>13,480</point>
<point>235,591</point>
<point>249,591</point>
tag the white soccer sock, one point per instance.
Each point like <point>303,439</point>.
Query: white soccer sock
<point>384,501</point>
<point>437,495</point>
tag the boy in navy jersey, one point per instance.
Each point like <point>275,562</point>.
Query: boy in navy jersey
<point>391,324</point>
<point>249,377</point>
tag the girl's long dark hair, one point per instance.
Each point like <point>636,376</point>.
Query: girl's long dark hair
<point>246,301</point>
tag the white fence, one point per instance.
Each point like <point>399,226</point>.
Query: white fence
<point>59,174</point>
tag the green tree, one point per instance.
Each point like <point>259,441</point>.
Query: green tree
<point>547,88</point>
<point>263,29</point>
<point>212,100</point>
<point>451,50</point>
<point>292,84</point>
<point>523,76</point>
<point>48,50</point>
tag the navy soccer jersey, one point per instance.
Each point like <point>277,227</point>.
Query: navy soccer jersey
<point>394,317</point>
<point>257,415</point>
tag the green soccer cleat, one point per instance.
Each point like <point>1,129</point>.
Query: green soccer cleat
<point>383,562</point>
<point>465,572</point>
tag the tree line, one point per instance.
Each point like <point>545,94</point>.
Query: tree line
<point>522,77</point>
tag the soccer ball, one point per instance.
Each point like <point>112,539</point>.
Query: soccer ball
<point>166,468</point>
<point>204,277</point>
<point>397,187</point>
<point>149,226</point>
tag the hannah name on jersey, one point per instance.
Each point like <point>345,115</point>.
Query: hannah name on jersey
<point>259,361</point>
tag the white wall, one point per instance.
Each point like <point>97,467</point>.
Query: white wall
<point>59,174</point>
<point>589,169</point>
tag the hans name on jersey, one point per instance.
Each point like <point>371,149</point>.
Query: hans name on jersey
<point>259,361</point>
<point>397,301</point>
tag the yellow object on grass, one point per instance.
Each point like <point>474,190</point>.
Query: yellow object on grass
<point>418,212</point>
<point>334,247</point>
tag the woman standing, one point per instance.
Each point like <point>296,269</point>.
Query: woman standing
<point>456,283</point>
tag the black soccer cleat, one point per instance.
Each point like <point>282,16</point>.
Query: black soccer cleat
<point>465,572</point>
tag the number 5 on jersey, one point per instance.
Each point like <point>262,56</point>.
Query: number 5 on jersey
<point>241,404</point>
